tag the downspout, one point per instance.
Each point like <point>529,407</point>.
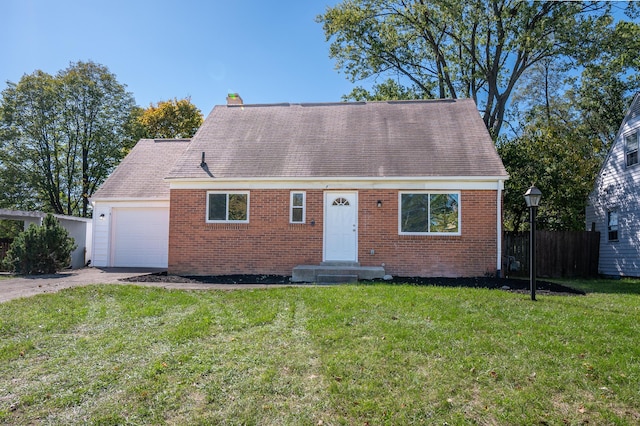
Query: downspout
<point>499,228</point>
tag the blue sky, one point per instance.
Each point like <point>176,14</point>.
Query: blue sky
<point>267,51</point>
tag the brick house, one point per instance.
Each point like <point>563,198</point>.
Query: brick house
<point>364,189</point>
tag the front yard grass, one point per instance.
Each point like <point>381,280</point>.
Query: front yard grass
<point>353,354</point>
<point>609,286</point>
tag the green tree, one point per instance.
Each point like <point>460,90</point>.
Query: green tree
<point>42,249</point>
<point>567,122</point>
<point>10,228</point>
<point>170,119</point>
<point>557,153</point>
<point>386,91</point>
<point>60,136</point>
<point>595,87</point>
<point>447,49</point>
<point>134,127</point>
<point>609,79</point>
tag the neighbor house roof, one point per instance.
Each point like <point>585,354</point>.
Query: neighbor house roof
<point>141,174</point>
<point>27,215</point>
<point>357,139</point>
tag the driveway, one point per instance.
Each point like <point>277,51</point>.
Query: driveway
<point>26,286</point>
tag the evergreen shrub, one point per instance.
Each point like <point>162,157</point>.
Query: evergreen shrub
<point>42,249</point>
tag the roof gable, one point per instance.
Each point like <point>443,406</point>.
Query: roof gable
<point>614,170</point>
<point>357,139</point>
<point>141,173</point>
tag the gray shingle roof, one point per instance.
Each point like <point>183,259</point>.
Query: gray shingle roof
<point>141,174</point>
<point>372,139</point>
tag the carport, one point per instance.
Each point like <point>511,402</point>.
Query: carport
<point>79,229</point>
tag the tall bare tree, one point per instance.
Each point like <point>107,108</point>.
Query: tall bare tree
<point>477,49</point>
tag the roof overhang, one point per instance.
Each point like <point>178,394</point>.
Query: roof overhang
<point>419,182</point>
<point>125,199</point>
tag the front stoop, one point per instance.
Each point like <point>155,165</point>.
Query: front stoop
<point>336,272</point>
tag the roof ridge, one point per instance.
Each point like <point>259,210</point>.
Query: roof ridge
<point>312,104</point>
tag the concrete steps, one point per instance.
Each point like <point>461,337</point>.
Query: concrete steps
<point>336,272</point>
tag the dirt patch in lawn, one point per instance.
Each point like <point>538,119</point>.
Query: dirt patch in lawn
<point>507,284</point>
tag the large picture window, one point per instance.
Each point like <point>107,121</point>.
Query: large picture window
<point>228,207</point>
<point>429,213</point>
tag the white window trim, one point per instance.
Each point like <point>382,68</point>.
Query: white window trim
<point>627,151</point>
<point>617,230</point>
<point>227,193</point>
<point>303,207</point>
<point>400,232</point>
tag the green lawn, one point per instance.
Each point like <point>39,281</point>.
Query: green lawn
<point>353,354</point>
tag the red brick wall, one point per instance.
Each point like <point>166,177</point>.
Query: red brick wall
<point>269,244</point>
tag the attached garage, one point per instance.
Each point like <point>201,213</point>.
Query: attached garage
<point>131,208</point>
<point>140,237</point>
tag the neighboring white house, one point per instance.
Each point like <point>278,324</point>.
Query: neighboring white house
<point>131,208</point>
<point>614,204</point>
<point>79,229</point>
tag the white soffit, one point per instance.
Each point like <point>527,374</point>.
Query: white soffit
<point>462,182</point>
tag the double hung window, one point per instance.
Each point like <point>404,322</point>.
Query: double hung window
<point>631,148</point>
<point>612,225</point>
<point>298,207</point>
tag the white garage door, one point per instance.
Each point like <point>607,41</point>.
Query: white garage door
<point>140,237</point>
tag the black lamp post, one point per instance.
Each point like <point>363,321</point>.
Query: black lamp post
<point>532,198</point>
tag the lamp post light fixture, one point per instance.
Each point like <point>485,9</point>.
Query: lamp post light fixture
<point>532,198</point>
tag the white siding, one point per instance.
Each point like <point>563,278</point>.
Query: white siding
<point>101,228</point>
<point>78,231</point>
<point>617,188</point>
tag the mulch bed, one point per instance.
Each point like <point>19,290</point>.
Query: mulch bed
<point>508,284</point>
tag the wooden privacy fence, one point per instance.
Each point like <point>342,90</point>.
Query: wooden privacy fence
<point>559,254</point>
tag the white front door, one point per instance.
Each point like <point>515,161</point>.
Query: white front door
<point>341,226</point>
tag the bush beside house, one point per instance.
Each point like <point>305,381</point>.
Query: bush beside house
<point>41,249</point>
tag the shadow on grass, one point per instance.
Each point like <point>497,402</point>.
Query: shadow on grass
<point>510,284</point>
<point>603,285</point>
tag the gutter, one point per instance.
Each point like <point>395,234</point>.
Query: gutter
<point>499,229</point>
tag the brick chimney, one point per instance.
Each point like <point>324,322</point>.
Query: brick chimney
<point>234,99</point>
